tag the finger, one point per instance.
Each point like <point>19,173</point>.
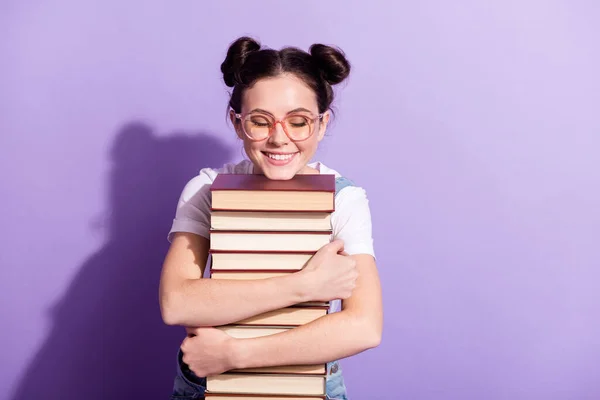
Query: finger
<point>336,246</point>
<point>184,345</point>
<point>191,331</point>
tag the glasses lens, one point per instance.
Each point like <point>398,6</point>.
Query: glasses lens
<point>299,126</point>
<point>257,126</point>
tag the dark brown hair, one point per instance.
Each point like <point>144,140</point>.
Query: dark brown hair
<point>320,68</point>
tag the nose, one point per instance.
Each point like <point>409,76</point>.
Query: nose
<point>278,137</point>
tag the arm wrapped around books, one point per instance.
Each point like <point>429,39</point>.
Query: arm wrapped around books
<point>356,328</point>
<point>188,300</point>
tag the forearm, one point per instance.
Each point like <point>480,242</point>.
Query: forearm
<point>211,302</point>
<point>329,338</point>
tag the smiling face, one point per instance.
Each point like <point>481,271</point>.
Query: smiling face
<point>278,98</point>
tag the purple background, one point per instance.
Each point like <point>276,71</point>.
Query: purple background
<point>474,128</point>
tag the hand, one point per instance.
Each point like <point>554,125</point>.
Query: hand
<point>330,274</point>
<point>208,351</point>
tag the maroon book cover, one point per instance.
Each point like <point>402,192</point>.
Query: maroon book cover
<point>309,183</point>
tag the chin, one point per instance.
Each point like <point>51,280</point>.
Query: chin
<point>279,172</point>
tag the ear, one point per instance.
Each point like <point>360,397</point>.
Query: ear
<point>323,124</point>
<point>236,124</point>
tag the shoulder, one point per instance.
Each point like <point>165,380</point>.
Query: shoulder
<point>348,191</point>
<point>209,174</point>
<point>351,200</point>
<point>193,207</point>
<point>351,220</point>
<point>206,176</point>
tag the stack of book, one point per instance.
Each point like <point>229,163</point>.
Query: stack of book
<point>263,228</point>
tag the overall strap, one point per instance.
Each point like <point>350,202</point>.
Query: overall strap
<point>335,385</point>
<point>341,182</point>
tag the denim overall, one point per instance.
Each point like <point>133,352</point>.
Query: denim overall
<point>189,386</point>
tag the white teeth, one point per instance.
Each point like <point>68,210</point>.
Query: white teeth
<point>280,156</point>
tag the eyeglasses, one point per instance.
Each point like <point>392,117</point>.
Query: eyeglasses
<point>259,127</point>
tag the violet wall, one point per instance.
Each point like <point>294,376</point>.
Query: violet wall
<point>473,126</point>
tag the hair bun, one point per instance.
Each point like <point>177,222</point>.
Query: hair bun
<point>237,54</point>
<point>331,61</point>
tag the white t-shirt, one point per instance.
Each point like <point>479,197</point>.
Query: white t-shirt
<point>350,222</point>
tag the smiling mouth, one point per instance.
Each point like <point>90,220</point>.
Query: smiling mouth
<point>279,156</point>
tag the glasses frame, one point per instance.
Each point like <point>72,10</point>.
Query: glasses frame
<point>241,117</point>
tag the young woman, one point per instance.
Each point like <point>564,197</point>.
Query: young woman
<point>280,107</point>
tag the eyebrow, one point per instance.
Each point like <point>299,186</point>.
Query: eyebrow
<point>299,109</point>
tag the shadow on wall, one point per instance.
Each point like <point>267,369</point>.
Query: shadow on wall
<point>107,339</point>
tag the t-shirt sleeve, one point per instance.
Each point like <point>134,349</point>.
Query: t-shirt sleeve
<point>351,221</point>
<point>193,208</point>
